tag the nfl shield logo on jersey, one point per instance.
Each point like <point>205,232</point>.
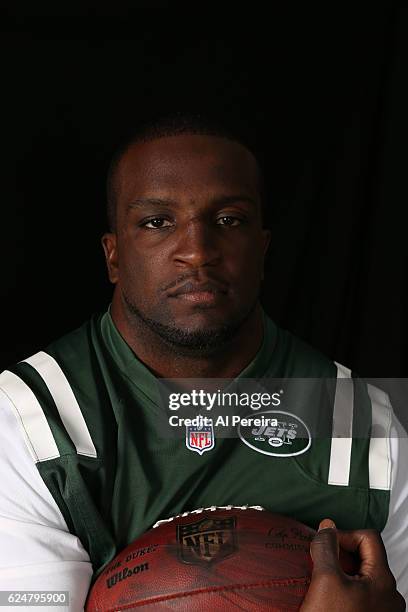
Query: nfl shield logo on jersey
<point>200,439</point>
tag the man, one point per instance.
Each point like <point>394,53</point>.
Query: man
<point>86,470</point>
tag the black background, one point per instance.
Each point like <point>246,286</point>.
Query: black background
<point>323,88</point>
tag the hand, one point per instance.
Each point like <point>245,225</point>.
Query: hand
<point>372,590</point>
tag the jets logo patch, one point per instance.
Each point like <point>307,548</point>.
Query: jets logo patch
<point>290,437</point>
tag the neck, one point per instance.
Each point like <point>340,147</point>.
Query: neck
<point>166,362</point>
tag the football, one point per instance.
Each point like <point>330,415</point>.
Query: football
<point>218,558</point>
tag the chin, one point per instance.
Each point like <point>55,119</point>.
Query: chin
<point>199,338</point>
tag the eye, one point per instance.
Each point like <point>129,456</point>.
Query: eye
<point>229,221</point>
<point>156,223</point>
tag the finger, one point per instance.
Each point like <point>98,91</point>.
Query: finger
<point>327,524</point>
<point>370,549</point>
<point>324,548</point>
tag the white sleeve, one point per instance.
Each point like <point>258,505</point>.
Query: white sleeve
<point>395,533</point>
<point>37,552</point>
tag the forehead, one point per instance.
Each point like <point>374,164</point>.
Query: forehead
<point>181,164</point>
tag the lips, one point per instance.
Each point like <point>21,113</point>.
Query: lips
<point>205,289</point>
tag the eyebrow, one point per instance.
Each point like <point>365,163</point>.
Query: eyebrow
<point>220,201</point>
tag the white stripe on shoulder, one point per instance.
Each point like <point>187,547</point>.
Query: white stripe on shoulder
<point>65,401</point>
<point>342,432</point>
<point>379,459</point>
<point>37,433</point>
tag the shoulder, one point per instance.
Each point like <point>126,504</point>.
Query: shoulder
<point>40,392</point>
<point>360,417</point>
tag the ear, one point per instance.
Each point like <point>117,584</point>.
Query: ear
<point>109,243</point>
<point>266,238</point>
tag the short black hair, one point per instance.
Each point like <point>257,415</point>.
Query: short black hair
<point>176,124</point>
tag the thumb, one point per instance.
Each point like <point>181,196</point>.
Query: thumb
<point>324,548</point>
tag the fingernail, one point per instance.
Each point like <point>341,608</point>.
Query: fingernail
<point>327,524</point>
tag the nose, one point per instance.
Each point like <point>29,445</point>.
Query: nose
<point>197,245</point>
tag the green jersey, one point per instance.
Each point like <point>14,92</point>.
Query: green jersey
<point>90,408</point>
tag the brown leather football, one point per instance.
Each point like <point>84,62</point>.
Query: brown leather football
<point>242,558</point>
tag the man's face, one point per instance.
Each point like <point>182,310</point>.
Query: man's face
<point>187,255</point>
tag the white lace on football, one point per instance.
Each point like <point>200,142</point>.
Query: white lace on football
<point>210,509</point>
